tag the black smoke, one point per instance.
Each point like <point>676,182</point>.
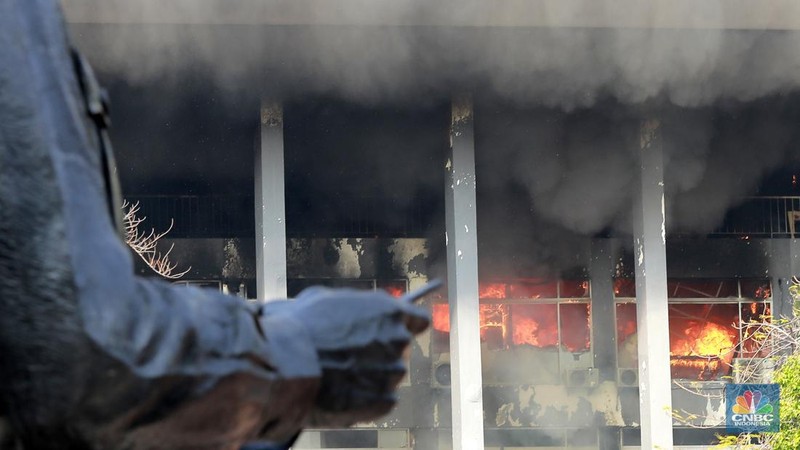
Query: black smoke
<point>557,113</point>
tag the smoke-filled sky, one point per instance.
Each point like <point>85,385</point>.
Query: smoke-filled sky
<point>556,118</point>
<point>565,68</point>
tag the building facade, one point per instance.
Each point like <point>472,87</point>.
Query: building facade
<point>611,219</point>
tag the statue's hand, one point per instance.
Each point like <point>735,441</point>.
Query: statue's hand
<point>360,337</point>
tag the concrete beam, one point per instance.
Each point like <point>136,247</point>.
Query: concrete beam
<point>270,205</point>
<point>462,281</point>
<point>652,319</point>
<point>660,14</point>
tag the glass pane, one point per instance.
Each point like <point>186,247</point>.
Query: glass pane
<point>394,287</point>
<point>530,344</point>
<point>627,355</point>
<point>502,326</point>
<point>575,289</point>
<point>534,289</point>
<point>494,326</point>
<point>492,290</point>
<point>689,288</point>
<point>535,325</point>
<point>440,333</point>
<point>754,315</point>
<point>703,338</point>
<point>441,317</point>
<point>625,288</point>
<point>757,289</point>
<point>575,330</point>
<point>353,284</point>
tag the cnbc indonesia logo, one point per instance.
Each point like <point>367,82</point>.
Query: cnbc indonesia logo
<point>753,409</point>
<point>752,406</point>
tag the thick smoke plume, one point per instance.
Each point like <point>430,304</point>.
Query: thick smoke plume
<point>564,67</point>
<point>580,169</point>
<point>572,98</point>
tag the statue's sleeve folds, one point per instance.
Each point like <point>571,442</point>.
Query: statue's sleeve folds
<point>88,351</point>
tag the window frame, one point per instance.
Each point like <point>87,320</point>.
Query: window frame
<point>740,301</point>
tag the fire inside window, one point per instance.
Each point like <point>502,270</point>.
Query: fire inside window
<point>708,325</point>
<point>547,322</point>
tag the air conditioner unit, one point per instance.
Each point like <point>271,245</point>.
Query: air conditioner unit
<point>628,377</point>
<point>753,370</point>
<point>582,377</point>
<point>440,375</point>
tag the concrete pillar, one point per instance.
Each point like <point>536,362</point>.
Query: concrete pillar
<point>270,205</point>
<point>604,326</point>
<point>784,263</point>
<point>655,385</point>
<point>462,281</point>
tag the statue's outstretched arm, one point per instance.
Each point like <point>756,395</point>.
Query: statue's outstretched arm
<point>93,357</point>
<point>88,352</point>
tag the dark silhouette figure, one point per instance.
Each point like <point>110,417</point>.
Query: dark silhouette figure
<point>92,357</point>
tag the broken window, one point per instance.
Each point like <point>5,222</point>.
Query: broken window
<point>754,343</point>
<point>707,325</point>
<point>530,330</point>
<point>702,339</point>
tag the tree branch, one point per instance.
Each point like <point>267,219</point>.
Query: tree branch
<point>146,244</point>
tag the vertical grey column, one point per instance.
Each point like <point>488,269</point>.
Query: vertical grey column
<point>794,271</point>
<point>784,263</point>
<point>780,276</point>
<point>270,205</point>
<point>604,326</point>
<point>655,385</point>
<point>462,281</point>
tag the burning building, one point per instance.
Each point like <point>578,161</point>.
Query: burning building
<point>608,188</point>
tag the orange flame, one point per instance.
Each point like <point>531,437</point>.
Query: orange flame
<point>526,331</point>
<point>697,368</point>
<point>492,290</point>
<point>709,339</point>
<point>504,325</point>
<point>703,337</point>
<point>394,291</point>
<point>535,325</point>
<point>492,315</point>
<point>441,317</point>
<point>702,340</point>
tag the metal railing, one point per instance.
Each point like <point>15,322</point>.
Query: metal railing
<point>198,216</point>
<point>207,216</point>
<point>767,217</point>
<point>358,217</point>
<point>228,216</point>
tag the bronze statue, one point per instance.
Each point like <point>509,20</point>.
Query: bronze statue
<point>93,357</point>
